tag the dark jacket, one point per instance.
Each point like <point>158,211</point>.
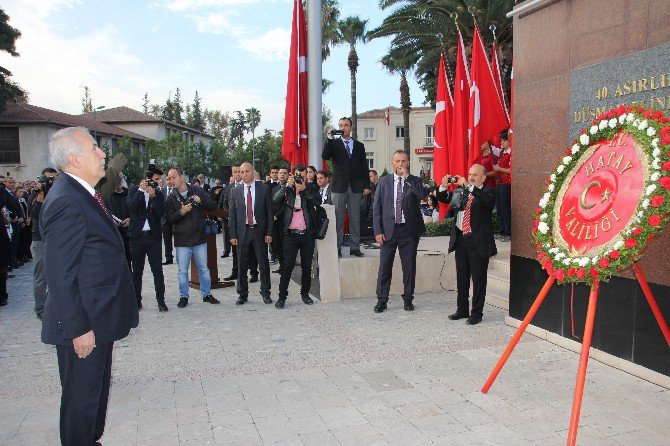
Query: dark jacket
<point>347,171</point>
<point>189,229</point>
<point>34,208</point>
<point>262,211</point>
<point>383,220</point>
<point>117,203</point>
<point>90,286</point>
<point>480,219</point>
<point>139,212</point>
<point>284,196</point>
<point>5,243</point>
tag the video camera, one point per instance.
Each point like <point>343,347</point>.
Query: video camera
<point>151,171</point>
<point>45,182</point>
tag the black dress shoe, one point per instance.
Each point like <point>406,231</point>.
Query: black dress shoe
<point>241,301</point>
<point>307,300</point>
<point>162,307</point>
<point>356,252</point>
<point>280,303</point>
<point>254,279</point>
<point>39,316</point>
<point>473,320</point>
<point>231,277</point>
<point>267,299</point>
<point>456,316</point>
<point>211,299</point>
<point>168,262</point>
<point>183,301</point>
<point>3,301</point>
<point>139,305</point>
<point>225,254</point>
<point>277,271</point>
<point>409,306</point>
<point>339,253</point>
<point>379,308</point>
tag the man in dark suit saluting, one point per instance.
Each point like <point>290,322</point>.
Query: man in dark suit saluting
<point>398,224</point>
<point>472,239</point>
<point>349,181</point>
<point>91,301</point>
<point>251,227</point>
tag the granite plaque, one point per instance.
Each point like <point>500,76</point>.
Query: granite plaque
<point>641,78</point>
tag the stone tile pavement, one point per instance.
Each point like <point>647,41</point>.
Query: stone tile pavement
<point>327,374</point>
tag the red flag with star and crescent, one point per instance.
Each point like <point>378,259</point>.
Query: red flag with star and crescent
<point>459,133</point>
<point>294,143</point>
<point>444,109</point>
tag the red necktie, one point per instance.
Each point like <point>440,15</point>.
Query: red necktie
<point>250,210</point>
<point>98,198</point>
<point>466,216</point>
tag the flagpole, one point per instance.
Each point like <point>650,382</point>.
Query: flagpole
<point>314,82</point>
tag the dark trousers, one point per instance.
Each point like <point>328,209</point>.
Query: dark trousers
<point>167,241</point>
<point>146,246</point>
<point>407,245</point>
<point>292,244</point>
<point>470,264</point>
<point>14,243</point>
<point>85,390</point>
<point>252,243</point>
<point>278,242</point>
<point>126,249</point>
<point>504,207</point>
<point>25,239</point>
<point>253,262</point>
<point>226,237</point>
<point>3,281</point>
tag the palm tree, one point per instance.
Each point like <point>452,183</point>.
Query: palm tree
<point>352,31</point>
<point>402,64</point>
<point>238,127</point>
<point>253,118</point>
<point>330,15</point>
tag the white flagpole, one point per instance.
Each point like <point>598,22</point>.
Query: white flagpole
<point>314,124</point>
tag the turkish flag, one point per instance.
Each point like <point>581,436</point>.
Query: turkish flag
<point>511,118</point>
<point>459,127</point>
<point>487,117</point>
<point>495,69</point>
<point>444,109</point>
<point>294,141</point>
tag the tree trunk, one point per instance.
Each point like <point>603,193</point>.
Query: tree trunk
<point>353,65</point>
<point>406,106</point>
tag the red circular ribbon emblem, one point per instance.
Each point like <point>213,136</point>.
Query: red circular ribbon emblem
<point>602,195</point>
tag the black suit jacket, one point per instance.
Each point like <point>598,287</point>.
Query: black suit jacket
<point>480,219</point>
<point>90,286</point>
<point>262,211</point>
<point>383,215</point>
<point>138,212</point>
<point>284,196</point>
<point>346,171</point>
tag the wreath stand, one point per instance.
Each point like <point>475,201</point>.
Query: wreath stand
<point>586,343</point>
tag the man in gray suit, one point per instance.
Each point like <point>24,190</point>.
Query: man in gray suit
<point>251,225</point>
<point>398,224</point>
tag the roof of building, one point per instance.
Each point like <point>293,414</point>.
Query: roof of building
<point>128,115</point>
<point>381,112</point>
<point>24,113</point>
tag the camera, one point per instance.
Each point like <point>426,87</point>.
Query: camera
<point>298,178</point>
<point>151,171</point>
<point>45,182</point>
<point>151,183</point>
<point>338,132</point>
<point>452,180</point>
<point>192,202</point>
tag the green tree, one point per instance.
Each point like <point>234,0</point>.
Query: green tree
<point>238,127</point>
<point>155,110</point>
<point>197,118</point>
<point>253,118</point>
<point>86,102</point>
<point>330,36</point>
<point>217,124</point>
<point>145,102</point>
<point>402,65</point>
<point>167,111</point>
<point>352,31</point>
<point>10,91</point>
<point>177,108</point>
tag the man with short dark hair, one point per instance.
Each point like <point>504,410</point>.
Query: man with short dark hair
<point>274,176</point>
<point>323,180</point>
<point>278,235</point>
<point>147,207</point>
<point>349,181</point>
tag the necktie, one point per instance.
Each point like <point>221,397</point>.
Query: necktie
<point>466,216</point>
<point>398,202</point>
<point>250,210</point>
<point>98,198</point>
<point>346,144</point>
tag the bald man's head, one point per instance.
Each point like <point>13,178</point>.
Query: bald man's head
<point>247,173</point>
<point>477,175</point>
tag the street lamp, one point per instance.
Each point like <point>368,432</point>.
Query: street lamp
<point>95,131</point>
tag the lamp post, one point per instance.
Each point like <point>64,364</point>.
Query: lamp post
<point>95,131</point>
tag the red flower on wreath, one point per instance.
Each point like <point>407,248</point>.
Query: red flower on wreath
<point>546,264</point>
<point>666,140</point>
<point>614,254</point>
<point>658,115</point>
<point>559,274</point>
<point>637,231</point>
<point>583,132</point>
<point>631,243</point>
<point>581,273</point>
<point>647,114</point>
<point>541,256</point>
<point>536,225</point>
<point>604,263</point>
<point>666,165</point>
<point>665,182</point>
<point>655,220</point>
<point>594,273</point>
<point>664,131</point>
<point>663,120</point>
<point>611,113</point>
<point>621,110</point>
<point>572,272</point>
<point>657,201</point>
<point>538,211</point>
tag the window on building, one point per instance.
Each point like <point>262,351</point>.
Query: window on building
<point>115,146</point>
<point>9,145</point>
<point>369,133</point>
<point>400,132</point>
<point>370,156</point>
<point>430,136</point>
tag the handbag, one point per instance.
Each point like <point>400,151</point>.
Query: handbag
<point>321,223</point>
<point>211,228</point>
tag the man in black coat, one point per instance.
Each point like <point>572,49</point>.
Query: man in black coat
<point>472,239</point>
<point>166,226</point>
<point>348,181</point>
<point>298,201</point>
<point>251,227</point>
<point>91,301</point>
<point>398,223</point>
<point>147,208</point>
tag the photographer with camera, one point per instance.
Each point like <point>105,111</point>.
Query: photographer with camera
<point>298,200</point>
<point>471,238</point>
<point>35,201</point>
<point>147,206</point>
<point>186,211</point>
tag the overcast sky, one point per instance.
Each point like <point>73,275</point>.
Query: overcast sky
<point>234,52</point>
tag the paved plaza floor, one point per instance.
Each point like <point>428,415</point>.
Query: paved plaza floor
<point>326,374</point>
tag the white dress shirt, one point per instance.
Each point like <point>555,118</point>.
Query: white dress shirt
<point>253,200</point>
<point>146,206</point>
<point>324,192</point>
<point>87,186</point>
<point>397,178</point>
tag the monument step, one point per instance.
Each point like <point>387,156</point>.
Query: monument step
<point>501,265</point>
<point>497,294</point>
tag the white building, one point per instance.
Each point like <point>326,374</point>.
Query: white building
<point>381,140</point>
